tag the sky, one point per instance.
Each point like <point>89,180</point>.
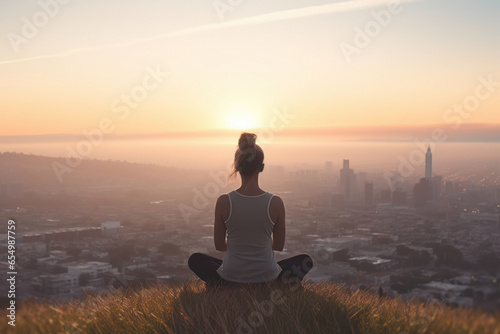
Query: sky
<point>168,67</point>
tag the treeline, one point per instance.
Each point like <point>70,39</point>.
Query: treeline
<point>39,169</point>
<point>446,255</point>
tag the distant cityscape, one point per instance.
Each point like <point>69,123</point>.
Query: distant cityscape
<point>430,236</point>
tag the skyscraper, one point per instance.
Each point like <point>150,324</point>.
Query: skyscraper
<point>347,181</point>
<point>437,185</point>
<point>368,193</point>
<point>428,163</point>
<point>422,192</point>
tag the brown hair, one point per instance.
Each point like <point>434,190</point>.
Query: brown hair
<point>249,157</point>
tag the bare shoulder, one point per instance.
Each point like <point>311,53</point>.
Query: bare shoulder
<point>223,201</point>
<point>222,208</point>
<point>276,202</point>
<point>223,198</point>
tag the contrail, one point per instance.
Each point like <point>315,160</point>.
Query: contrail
<point>253,20</point>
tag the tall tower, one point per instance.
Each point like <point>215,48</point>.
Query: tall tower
<point>368,193</point>
<point>428,163</point>
<point>347,181</point>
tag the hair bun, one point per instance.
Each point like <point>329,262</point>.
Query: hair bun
<point>249,157</point>
<point>247,140</point>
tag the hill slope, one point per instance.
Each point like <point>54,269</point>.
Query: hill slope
<point>189,308</point>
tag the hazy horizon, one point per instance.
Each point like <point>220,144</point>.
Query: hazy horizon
<point>175,84</point>
<point>216,153</point>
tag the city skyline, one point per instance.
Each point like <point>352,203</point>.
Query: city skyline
<point>369,241</point>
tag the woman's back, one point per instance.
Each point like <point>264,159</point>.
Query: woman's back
<point>249,224</point>
<point>249,257</point>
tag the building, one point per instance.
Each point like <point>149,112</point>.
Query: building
<point>437,185</point>
<point>94,269</point>
<point>496,194</point>
<point>422,192</point>
<point>58,254</point>
<point>368,193</point>
<point>110,228</point>
<point>31,249</point>
<point>398,197</point>
<point>361,179</point>
<point>64,235</point>
<point>275,172</point>
<point>337,200</point>
<point>55,284</point>
<point>428,163</point>
<point>447,292</point>
<point>47,261</point>
<point>379,263</point>
<point>347,181</point>
<point>379,278</point>
<point>385,196</point>
<point>476,217</point>
<point>449,187</point>
<point>337,243</point>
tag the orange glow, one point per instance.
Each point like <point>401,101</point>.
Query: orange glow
<point>230,75</point>
<point>241,118</point>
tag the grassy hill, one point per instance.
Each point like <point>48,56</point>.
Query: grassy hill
<point>189,308</point>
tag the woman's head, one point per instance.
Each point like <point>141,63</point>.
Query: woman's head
<point>249,157</point>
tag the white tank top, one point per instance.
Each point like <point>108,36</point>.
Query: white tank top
<point>249,256</point>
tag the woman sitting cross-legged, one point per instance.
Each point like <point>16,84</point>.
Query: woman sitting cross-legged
<point>249,225</point>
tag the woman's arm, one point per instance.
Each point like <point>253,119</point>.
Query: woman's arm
<point>221,215</point>
<point>277,213</point>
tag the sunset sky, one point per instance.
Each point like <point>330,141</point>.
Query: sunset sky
<point>233,66</point>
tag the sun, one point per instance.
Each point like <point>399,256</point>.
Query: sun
<point>240,118</point>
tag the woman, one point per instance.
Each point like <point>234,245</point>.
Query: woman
<point>254,222</point>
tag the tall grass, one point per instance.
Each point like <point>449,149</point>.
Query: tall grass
<point>269,308</point>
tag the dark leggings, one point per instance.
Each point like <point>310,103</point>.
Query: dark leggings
<point>293,269</point>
